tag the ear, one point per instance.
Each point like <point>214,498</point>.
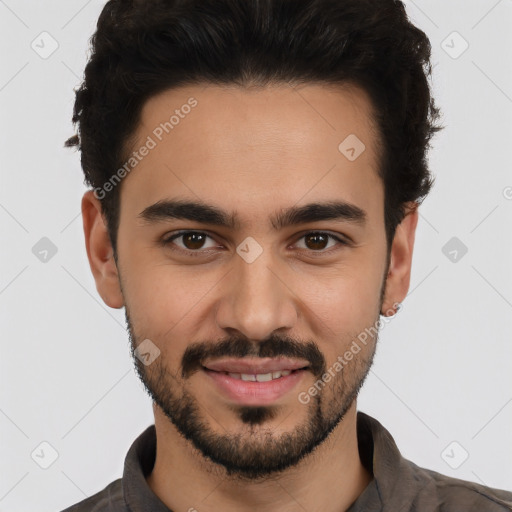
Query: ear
<point>100,252</point>
<point>399,271</point>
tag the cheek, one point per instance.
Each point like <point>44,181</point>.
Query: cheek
<point>342,301</point>
<point>169,305</point>
<point>164,293</point>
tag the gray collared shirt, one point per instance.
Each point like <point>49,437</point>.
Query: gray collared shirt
<point>398,484</point>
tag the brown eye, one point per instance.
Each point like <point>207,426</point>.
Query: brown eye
<point>316,241</point>
<point>192,241</point>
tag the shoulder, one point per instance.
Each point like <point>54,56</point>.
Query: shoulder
<point>402,485</point>
<point>109,499</point>
<point>454,494</point>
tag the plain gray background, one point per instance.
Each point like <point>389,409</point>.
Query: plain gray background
<point>441,382</point>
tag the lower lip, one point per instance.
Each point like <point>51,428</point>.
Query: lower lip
<point>254,393</point>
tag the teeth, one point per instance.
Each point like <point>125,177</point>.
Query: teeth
<point>260,377</point>
<point>284,373</point>
<point>264,377</point>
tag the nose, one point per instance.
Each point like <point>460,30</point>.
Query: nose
<point>256,299</point>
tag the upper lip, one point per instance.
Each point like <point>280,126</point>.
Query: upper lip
<point>255,366</point>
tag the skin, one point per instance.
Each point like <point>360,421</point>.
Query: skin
<point>254,151</point>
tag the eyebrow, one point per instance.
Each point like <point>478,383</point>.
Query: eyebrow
<point>208,214</point>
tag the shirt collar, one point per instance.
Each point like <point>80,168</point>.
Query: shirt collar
<point>393,481</point>
<point>395,484</point>
<point>139,463</point>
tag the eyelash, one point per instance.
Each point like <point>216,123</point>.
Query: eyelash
<point>167,242</point>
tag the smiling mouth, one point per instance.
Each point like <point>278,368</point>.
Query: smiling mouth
<point>258,377</point>
<point>255,389</point>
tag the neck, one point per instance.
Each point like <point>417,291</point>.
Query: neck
<point>329,479</point>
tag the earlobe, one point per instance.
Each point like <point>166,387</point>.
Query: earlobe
<point>399,272</point>
<point>100,252</point>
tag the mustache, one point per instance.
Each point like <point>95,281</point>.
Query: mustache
<point>274,346</point>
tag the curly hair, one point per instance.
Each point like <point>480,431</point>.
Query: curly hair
<point>143,47</point>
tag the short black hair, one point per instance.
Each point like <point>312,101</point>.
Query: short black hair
<point>144,47</point>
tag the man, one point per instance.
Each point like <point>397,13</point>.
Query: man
<point>256,171</point>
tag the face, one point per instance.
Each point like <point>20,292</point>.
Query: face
<point>281,262</point>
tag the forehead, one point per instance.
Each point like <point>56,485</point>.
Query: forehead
<point>250,147</point>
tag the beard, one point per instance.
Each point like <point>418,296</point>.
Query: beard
<point>255,452</point>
